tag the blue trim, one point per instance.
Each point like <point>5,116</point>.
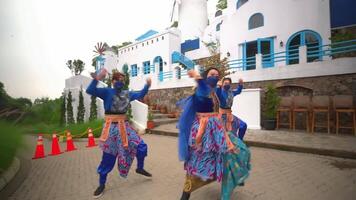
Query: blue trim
<point>302,33</point>
<point>146,35</point>
<point>133,70</point>
<point>256,15</point>
<point>239,3</point>
<point>244,55</point>
<point>270,55</point>
<point>181,59</point>
<point>146,67</point>
<point>190,45</point>
<point>158,59</point>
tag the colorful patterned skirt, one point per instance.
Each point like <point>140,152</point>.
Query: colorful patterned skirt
<point>236,167</point>
<point>206,158</point>
<point>113,145</point>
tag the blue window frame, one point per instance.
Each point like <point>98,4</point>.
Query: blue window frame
<point>134,70</point>
<point>146,67</point>
<point>218,26</point>
<point>159,60</point>
<point>263,46</point>
<point>240,3</point>
<point>255,21</point>
<point>311,39</point>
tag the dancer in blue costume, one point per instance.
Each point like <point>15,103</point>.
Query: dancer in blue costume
<point>226,96</point>
<point>204,145</point>
<point>118,139</point>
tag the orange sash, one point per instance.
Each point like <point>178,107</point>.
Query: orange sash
<point>203,122</point>
<point>120,119</point>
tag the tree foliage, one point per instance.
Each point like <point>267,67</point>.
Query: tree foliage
<point>62,120</point>
<point>70,118</point>
<point>81,108</point>
<point>93,109</point>
<point>75,66</point>
<point>222,4</point>
<point>214,59</point>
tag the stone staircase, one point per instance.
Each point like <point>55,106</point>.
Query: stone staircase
<point>162,119</point>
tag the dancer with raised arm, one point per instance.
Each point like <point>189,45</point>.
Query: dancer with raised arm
<point>204,145</point>
<point>118,139</point>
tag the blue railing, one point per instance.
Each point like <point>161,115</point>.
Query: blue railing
<point>315,52</point>
<point>165,75</point>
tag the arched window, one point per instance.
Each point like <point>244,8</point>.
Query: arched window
<point>308,38</point>
<point>159,60</point>
<point>218,26</point>
<point>255,21</point>
<point>218,13</point>
<point>240,3</point>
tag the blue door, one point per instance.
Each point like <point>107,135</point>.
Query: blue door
<point>265,48</point>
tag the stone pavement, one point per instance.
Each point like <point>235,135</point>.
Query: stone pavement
<point>343,146</point>
<point>275,175</point>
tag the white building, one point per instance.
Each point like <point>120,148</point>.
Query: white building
<point>263,40</point>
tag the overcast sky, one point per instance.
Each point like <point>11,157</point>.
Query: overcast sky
<point>37,37</point>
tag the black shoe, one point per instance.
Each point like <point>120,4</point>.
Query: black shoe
<point>241,184</point>
<point>185,196</point>
<point>99,191</point>
<point>143,172</point>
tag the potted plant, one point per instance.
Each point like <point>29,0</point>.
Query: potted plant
<point>172,115</point>
<point>163,109</point>
<point>271,104</point>
<point>150,122</point>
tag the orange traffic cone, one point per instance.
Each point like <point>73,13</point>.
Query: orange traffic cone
<point>39,148</point>
<point>55,145</point>
<point>70,144</point>
<point>91,141</point>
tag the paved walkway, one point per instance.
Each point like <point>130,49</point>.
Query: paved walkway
<point>318,143</point>
<point>275,175</point>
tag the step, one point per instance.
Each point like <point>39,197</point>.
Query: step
<point>163,121</point>
<point>258,140</point>
<point>160,116</point>
<point>155,111</point>
<point>165,129</point>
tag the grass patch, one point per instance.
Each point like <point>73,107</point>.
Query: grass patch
<point>10,141</point>
<point>77,130</point>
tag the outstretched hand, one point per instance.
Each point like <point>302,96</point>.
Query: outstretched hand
<point>148,81</point>
<point>99,76</point>
<point>241,81</point>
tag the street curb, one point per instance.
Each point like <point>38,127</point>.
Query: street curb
<point>283,147</point>
<point>10,173</point>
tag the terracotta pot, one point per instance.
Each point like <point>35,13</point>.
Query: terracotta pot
<point>163,109</point>
<point>150,124</point>
<point>172,115</point>
<point>154,106</point>
<point>177,114</point>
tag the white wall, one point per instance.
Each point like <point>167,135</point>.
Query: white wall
<point>282,18</point>
<point>162,47</point>
<point>247,106</point>
<point>74,84</point>
<point>139,115</point>
<point>193,18</point>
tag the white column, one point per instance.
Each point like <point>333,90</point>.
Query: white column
<point>258,61</point>
<point>302,54</point>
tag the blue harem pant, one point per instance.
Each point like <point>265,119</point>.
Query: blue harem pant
<point>108,161</point>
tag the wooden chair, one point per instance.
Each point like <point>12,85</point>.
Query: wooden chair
<point>344,104</point>
<point>301,105</point>
<point>320,104</point>
<point>286,105</point>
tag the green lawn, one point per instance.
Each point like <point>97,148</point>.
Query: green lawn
<point>76,129</point>
<point>10,140</point>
